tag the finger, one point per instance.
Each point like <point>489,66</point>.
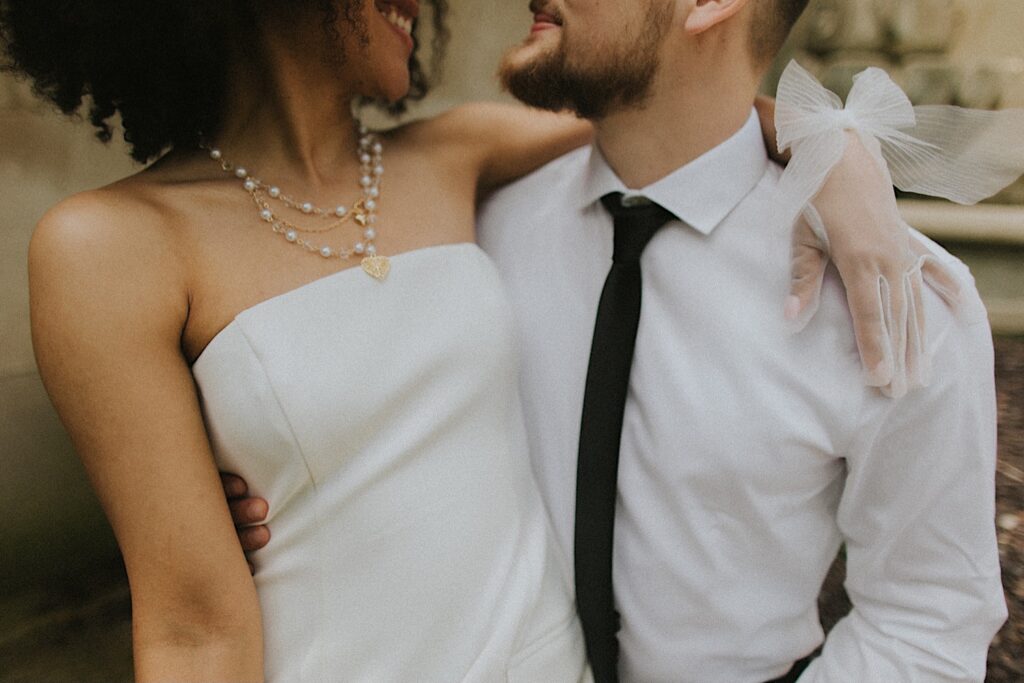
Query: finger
<point>943,280</point>
<point>808,273</point>
<point>245,511</point>
<point>253,538</point>
<point>895,307</point>
<point>918,358</point>
<point>234,486</point>
<point>940,276</point>
<point>865,297</point>
<point>810,229</point>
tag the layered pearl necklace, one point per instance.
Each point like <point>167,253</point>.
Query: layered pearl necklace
<point>363,212</point>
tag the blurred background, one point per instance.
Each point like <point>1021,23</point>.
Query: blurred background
<point>64,609</point>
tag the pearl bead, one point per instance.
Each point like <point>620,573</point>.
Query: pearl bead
<point>370,156</point>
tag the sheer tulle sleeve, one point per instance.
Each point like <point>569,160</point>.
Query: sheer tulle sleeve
<point>964,155</point>
<point>958,154</point>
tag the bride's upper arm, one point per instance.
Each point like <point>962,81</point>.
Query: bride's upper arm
<point>506,141</point>
<point>108,301</point>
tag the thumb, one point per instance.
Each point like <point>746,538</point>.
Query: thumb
<point>807,274</point>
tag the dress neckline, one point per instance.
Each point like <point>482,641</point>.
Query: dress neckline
<point>325,279</point>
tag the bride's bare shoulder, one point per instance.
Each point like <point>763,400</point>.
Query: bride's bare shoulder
<point>111,241</point>
<point>140,215</point>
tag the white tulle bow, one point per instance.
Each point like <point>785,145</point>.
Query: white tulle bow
<point>963,155</point>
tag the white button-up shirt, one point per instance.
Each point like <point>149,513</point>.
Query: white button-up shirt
<point>750,455</point>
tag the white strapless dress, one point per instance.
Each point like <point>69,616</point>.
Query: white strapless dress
<point>382,422</point>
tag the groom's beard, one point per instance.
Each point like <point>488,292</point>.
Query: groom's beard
<point>597,80</point>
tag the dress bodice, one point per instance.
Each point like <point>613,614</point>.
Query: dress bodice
<point>382,423</point>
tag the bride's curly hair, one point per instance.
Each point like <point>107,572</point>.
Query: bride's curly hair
<point>160,64</point>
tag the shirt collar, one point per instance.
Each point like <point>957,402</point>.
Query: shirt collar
<point>701,193</point>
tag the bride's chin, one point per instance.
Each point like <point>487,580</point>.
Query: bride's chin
<point>389,98</point>
<point>394,91</point>
<point>388,91</point>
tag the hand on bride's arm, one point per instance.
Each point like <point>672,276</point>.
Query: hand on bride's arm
<point>247,512</point>
<point>108,305</point>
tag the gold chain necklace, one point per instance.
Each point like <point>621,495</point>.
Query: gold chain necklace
<point>363,212</point>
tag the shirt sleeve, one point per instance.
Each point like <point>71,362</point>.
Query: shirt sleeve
<point>917,516</point>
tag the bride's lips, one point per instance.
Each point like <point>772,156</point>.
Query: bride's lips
<point>409,8</point>
<point>401,17</point>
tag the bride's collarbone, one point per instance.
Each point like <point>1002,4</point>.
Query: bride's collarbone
<point>246,264</point>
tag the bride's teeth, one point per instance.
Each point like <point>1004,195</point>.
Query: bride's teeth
<point>398,20</point>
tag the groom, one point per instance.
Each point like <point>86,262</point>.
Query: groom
<point>721,465</point>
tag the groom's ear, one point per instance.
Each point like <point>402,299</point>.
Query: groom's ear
<point>709,13</point>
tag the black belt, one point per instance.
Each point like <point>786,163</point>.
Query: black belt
<point>795,672</point>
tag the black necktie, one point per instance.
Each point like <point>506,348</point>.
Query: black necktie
<point>604,402</point>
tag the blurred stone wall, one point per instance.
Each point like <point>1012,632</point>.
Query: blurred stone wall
<point>964,52</point>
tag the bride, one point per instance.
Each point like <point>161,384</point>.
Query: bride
<point>287,295</point>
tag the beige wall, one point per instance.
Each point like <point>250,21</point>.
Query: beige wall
<point>51,524</point>
<point>991,29</point>
<point>47,509</point>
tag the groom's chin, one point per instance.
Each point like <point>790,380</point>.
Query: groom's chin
<point>524,55</point>
<point>530,74</point>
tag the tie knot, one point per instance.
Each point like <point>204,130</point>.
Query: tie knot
<point>635,225</point>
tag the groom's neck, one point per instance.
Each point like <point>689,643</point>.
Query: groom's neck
<point>689,112</point>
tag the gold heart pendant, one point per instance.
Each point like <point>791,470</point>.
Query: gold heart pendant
<point>377,266</point>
